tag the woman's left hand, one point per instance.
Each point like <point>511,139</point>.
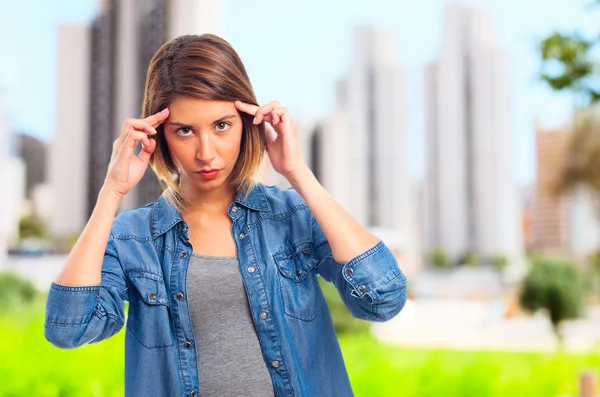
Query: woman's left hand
<point>284,150</point>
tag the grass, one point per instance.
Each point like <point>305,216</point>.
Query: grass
<point>379,370</point>
<point>29,365</point>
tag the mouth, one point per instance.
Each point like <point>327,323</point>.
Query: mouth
<point>209,174</point>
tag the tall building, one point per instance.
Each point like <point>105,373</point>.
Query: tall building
<point>550,219</point>
<point>126,35</point>
<point>33,152</point>
<point>102,72</point>
<point>12,185</point>
<point>70,151</point>
<point>562,222</point>
<point>472,199</point>
<point>330,155</point>
<point>372,97</point>
<point>359,152</point>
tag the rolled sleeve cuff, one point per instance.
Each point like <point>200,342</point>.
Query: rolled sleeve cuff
<point>371,271</point>
<point>71,305</point>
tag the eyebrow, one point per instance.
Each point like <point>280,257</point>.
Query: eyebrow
<point>217,121</point>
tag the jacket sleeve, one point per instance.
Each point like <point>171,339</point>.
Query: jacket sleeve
<point>371,285</point>
<point>76,315</point>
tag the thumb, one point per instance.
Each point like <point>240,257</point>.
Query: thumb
<point>147,151</point>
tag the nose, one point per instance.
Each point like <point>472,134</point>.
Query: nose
<point>205,148</point>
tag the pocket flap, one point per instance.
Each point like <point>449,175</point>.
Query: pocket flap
<point>297,261</point>
<point>151,288</point>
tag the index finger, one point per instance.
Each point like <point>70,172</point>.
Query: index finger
<point>157,118</point>
<point>246,107</point>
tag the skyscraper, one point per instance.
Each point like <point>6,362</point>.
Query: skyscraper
<point>69,153</point>
<point>12,184</point>
<point>372,97</point>
<point>550,211</point>
<point>130,32</point>
<point>102,72</point>
<point>358,153</point>
<point>472,204</point>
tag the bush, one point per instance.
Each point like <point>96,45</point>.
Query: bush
<point>500,261</point>
<point>343,321</point>
<point>15,291</point>
<point>469,259</point>
<point>438,259</point>
<point>555,287</point>
<point>32,227</point>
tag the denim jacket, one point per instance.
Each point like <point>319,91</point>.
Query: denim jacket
<point>281,250</point>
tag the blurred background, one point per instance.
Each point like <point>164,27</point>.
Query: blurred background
<point>466,135</point>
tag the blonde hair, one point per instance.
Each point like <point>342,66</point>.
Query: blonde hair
<point>206,67</point>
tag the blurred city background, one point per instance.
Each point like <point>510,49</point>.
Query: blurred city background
<point>466,135</point>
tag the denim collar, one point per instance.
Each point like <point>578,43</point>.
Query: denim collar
<point>165,215</point>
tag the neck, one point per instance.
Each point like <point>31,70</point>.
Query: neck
<point>207,202</point>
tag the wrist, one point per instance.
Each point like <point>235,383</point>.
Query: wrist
<point>299,176</point>
<point>109,198</point>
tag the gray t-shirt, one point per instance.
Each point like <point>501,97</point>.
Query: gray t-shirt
<point>230,360</point>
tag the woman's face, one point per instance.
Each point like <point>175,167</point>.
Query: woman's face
<point>203,134</point>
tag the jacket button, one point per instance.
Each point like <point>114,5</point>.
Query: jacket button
<point>152,295</point>
<point>242,235</point>
<point>298,272</point>
<point>193,393</point>
<point>275,364</point>
<point>362,288</point>
<point>349,272</point>
<point>251,269</point>
<point>263,315</point>
<point>179,296</point>
<point>183,229</point>
<point>183,255</point>
<point>234,209</point>
<point>187,344</point>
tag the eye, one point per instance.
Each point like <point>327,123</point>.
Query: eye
<point>222,126</point>
<point>185,129</point>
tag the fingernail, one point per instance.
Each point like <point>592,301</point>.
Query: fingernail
<point>254,121</point>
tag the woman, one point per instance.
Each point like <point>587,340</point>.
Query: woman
<point>221,271</point>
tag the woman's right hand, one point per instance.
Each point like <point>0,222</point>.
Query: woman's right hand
<point>125,170</point>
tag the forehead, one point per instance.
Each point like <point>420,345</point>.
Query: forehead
<point>200,110</point>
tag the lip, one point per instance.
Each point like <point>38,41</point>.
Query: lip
<point>209,174</point>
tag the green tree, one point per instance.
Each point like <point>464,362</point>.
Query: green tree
<point>556,288</point>
<point>438,258</point>
<point>32,226</point>
<point>500,261</point>
<point>569,63</point>
<point>469,258</point>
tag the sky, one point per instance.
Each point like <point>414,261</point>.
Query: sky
<point>295,51</point>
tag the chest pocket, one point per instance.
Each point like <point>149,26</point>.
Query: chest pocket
<point>300,291</point>
<point>148,317</point>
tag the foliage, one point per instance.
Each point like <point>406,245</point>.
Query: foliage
<point>500,261</point>
<point>15,292</point>
<point>343,321</point>
<point>32,226</point>
<point>568,65</point>
<point>556,288</point>
<point>469,258</point>
<point>439,259</point>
